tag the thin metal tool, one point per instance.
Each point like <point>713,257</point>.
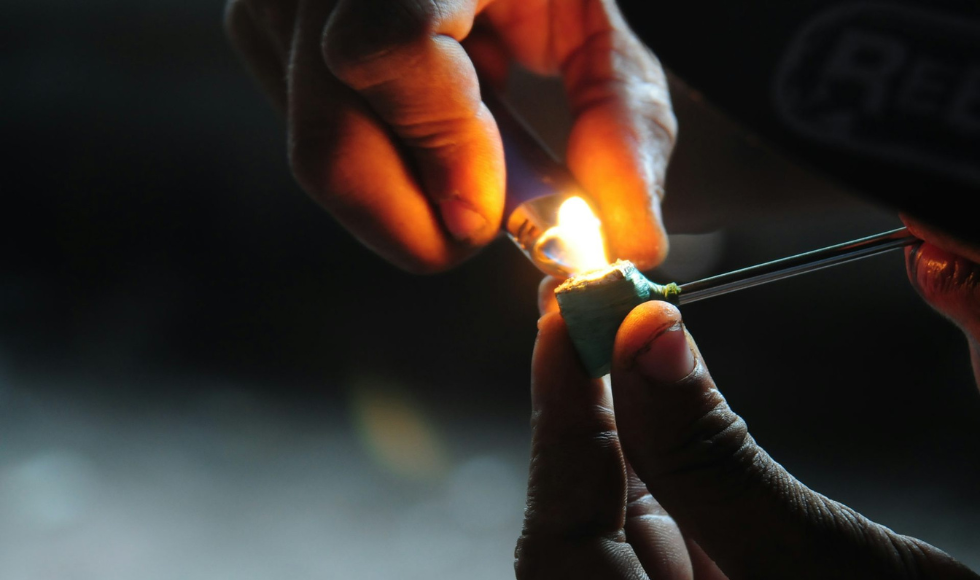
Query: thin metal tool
<point>793,266</point>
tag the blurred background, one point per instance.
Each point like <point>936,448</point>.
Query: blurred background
<point>202,377</point>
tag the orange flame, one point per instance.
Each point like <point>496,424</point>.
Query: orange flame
<point>580,246</point>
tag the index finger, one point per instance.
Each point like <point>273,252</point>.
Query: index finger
<point>344,157</point>
<point>405,59</point>
<point>573,524</point>
<point>624,127</point>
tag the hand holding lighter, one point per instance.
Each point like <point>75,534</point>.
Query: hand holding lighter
<point>595,303</point>
<point>537,187</point>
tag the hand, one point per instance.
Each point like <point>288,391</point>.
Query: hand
<point>656,477</point>
<point>388,132</point>
<point>946,273</point>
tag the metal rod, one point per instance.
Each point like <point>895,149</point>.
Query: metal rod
<point>794,265</point>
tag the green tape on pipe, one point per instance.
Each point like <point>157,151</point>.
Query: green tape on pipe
<point>596,303</point>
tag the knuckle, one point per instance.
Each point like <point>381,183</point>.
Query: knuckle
<point>326,166</point>
<point>899,557</point>
<point>360,33</point>
<point>713,436</point>
<point>909,556</point>
<point>554,459</point>
<point>917,560</point>
<point>717,452</point>
<point>603,556</point>
<point>593,425</point>
<point>653,91</point>
<point>590,508</point>
<point>637,78</point>
<point>432,131</point>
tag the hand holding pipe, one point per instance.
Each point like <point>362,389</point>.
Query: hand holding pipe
<point>596,303</point>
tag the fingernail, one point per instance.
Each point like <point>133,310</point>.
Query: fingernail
<point>667,358</point>
<point>462,221</point>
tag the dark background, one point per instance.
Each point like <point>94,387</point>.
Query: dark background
<point>201,375</point>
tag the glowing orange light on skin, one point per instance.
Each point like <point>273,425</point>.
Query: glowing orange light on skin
<point>577,241</point>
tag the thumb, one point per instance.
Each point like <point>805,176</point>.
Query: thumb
<point>945,271</point>
<point>697,458</point>
<point>624,127</point>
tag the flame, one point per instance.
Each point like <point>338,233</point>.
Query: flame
<point>580,245</point>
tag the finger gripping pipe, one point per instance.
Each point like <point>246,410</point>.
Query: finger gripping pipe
<point>596,303</point>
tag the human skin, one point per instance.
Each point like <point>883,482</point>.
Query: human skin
<point>651,475</point>
<point>387,129</point>
<point>944,271</point>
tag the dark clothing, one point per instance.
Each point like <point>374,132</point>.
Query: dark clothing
<point>884,96</point>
